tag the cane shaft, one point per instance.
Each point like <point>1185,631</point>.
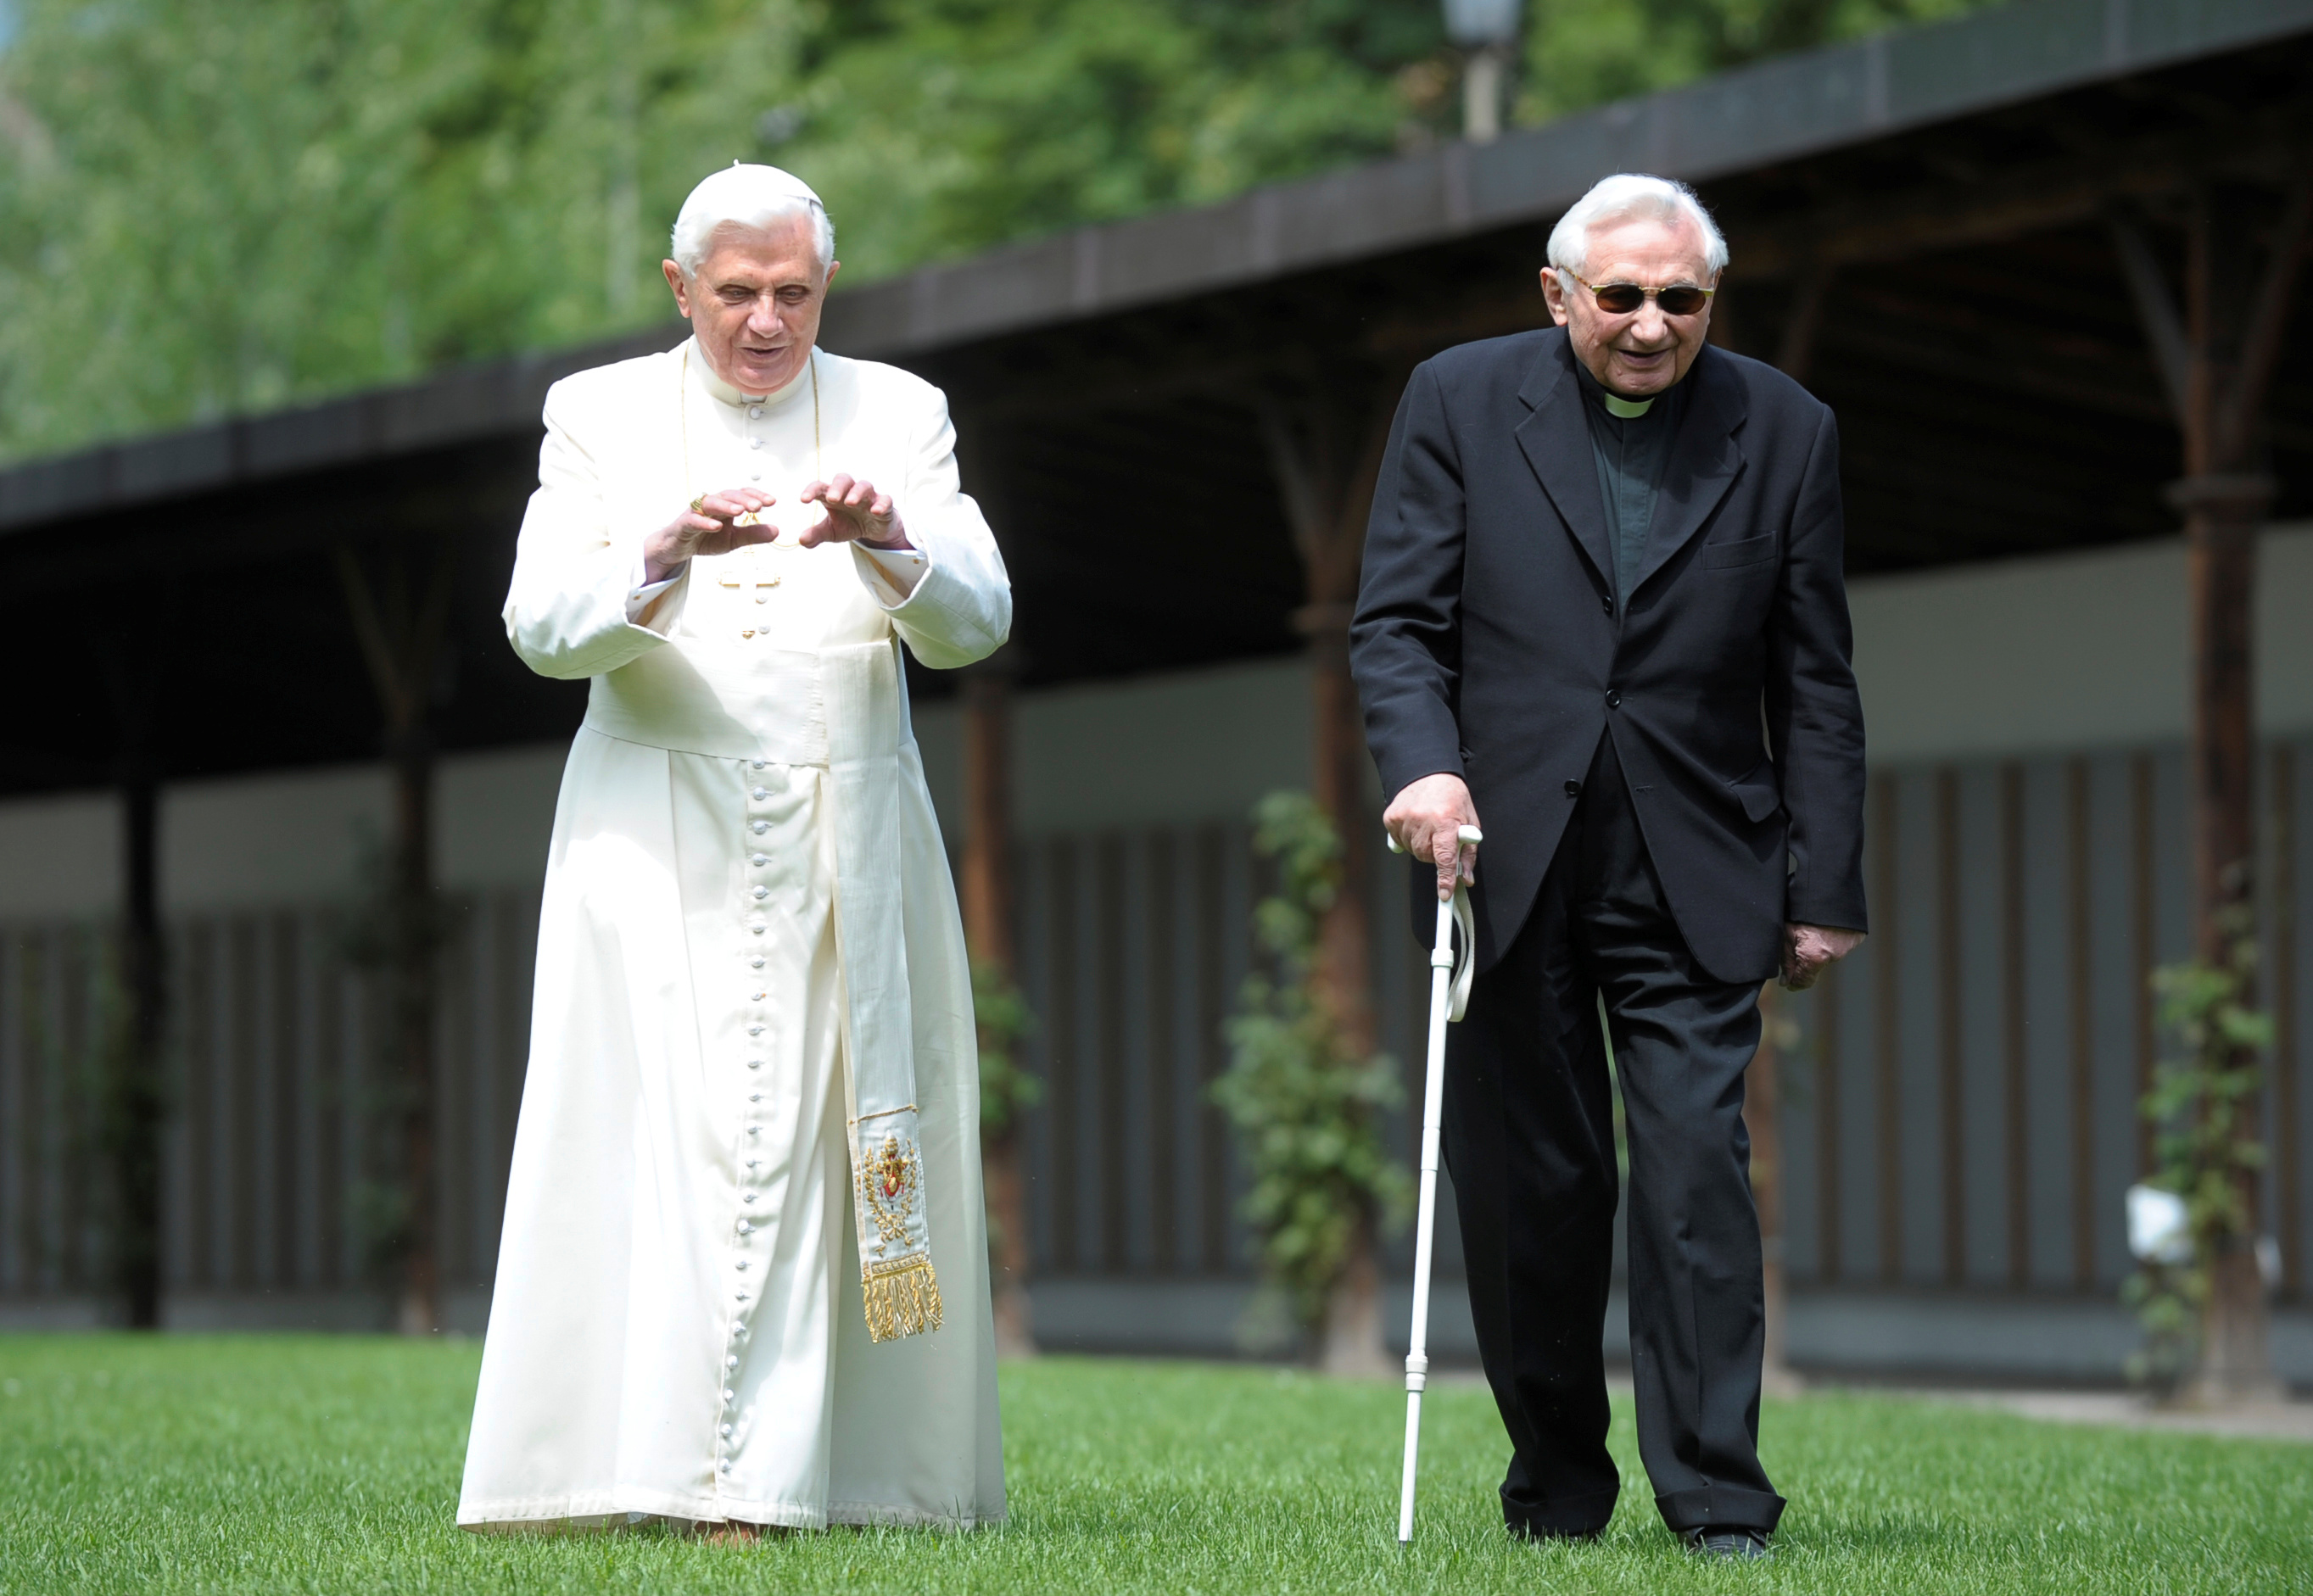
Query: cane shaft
<point>1425,1234</point>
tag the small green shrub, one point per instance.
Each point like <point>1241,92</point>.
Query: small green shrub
<point>1304,1108</point>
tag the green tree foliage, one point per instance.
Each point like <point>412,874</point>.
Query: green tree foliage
<point>934,126</point>
<point>216,207</point>
<point>1003,1019</point>
<point>212,206</point>
<point>2200,1151</point>
<point>1305,1108</point>
<point>1580,53</point>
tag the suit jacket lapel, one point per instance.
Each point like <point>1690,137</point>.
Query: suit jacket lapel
<point>1704,461</point>
<point>1557,443</point>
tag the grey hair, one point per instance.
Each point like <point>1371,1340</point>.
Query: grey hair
<point>745,196</point>
<point>1627,195</point>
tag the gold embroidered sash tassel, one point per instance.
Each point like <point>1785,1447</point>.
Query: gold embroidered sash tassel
<point>904,1299</point>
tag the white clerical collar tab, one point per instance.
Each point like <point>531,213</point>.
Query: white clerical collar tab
<point>1626,409</point>
<point>716,388</point>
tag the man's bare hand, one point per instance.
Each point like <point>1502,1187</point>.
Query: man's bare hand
<point>1426,820</point>
<point>1810,949</point>
<point>709,525</point>
<point>856,514</point>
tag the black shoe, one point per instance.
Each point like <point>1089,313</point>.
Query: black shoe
<point>1742,1546</point>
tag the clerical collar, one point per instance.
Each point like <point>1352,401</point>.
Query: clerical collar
<point>722,390</point>
<point>1616,406</point>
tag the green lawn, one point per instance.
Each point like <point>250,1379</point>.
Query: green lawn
<point>312,1464</point>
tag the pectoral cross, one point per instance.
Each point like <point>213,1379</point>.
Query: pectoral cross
<point>763,582</point>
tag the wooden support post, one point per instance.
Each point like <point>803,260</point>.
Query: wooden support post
<point>1327,453</point>
<point>2015,1020</point>
<point>2288,1160</point>
<point>134,1098</point>
<point>1951,1061</point>
<point>1762,1116</point>
<point>988,934</point>
<point>1887,1028</point>
<point>400,635</point>
<point>2217,358</point>
<point>1762,1092</point>
<point>1795,354</point>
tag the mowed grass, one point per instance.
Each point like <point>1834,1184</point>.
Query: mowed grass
<point>310,1464</point>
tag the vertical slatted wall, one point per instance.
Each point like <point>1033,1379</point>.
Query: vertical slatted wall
<point>275,1093</point>
<point>1959,1110</point>
<point>1133,947</point>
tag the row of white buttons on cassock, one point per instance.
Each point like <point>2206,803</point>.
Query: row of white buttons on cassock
<point>756,892</point>
<point>755,413</point>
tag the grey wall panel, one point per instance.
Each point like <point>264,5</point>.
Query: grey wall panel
<point>1239,889</point>
<point>178,1146</point>
<point>1800,1076</point>
<point>308,1170</point>
<point>1859,1070</point>
<point>2119,785</point>
<point>2292,1190</point>
<point>2048,963</point>
<point>1919,1188</point>
<point>1032,913</point>
<point>15,1119</point>
<point>354,1031</point>
<point>1980,986</point>
<point>1134,1061</point>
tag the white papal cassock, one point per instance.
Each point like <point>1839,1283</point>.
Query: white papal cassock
<point>677,1327</point>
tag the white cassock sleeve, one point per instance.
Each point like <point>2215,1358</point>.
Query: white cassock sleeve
<point>950,597</point>
<point>578,606</point>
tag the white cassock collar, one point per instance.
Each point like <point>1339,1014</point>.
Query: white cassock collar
<point>717,389</point>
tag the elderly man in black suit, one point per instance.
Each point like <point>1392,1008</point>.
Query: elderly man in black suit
<point>1603,614</point>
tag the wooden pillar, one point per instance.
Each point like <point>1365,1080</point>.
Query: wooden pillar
<point>2217,360</point>
<point>2015,1017</point>
<point>400,635</point>
<point>986,893</point>
<point>135,1090</point>
<point>1326,452</point>
<point>2288,1152</point>
<point>1795,351</point>
<point>1762,1116</point>
<point>1951,1060</point>
<point>1762,1092</point>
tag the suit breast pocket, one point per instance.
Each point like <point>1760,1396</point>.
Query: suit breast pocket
<point>1755,550</point>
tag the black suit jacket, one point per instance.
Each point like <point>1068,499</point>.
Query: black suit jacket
<point>1486,642</point>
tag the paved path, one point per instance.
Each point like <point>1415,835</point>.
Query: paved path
<point>2274,1421</point>
<point>2278,1421</point>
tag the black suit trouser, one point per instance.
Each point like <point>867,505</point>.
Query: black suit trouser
<point>1529,1138</point>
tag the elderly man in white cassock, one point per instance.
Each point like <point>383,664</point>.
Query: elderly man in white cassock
<point>744,1279</point>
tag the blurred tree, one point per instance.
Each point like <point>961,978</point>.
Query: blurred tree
<point>937,126</point>
<point>213,206</point>
<point>1580,53</point>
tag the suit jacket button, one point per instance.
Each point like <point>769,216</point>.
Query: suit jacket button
<point>1610,606</point>
<point>1614,700</point>
<point>1574,789</point>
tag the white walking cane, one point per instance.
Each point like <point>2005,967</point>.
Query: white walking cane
<point>1449,995</point>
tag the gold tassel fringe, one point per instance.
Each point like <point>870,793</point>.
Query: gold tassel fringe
<point>903,1297</point>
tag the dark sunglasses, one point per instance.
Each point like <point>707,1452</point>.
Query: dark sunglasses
<point>1620,299</point>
